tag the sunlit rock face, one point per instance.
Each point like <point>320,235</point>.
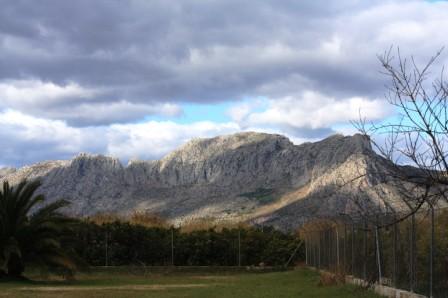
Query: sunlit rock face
<point>6,171</point>
<point>253,177</point>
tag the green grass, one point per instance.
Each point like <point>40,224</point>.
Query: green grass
<point>298,283</point>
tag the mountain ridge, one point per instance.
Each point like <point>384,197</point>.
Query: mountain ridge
<point>240,177</point>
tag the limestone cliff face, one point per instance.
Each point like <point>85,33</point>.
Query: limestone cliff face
<point>246,176</point>
<point>6,171</point>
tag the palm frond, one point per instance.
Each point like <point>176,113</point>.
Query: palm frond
<point>32,234</point>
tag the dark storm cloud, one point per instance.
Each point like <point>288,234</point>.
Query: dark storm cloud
<point>143,51</point>
<point>300,68</point>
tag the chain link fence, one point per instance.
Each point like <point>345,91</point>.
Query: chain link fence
<point>410,254</point>
<point>122,244</point>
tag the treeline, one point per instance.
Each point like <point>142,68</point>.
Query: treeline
<point>123,243</point>
<point>52,242</point>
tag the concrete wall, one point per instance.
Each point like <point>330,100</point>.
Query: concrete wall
<point>383,290</point>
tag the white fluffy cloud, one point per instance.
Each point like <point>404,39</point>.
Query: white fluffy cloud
<point>155,139</point>
<point>18,93</point>
<point>46,139</point>
<point>26,139</point>
<point>311,110</point>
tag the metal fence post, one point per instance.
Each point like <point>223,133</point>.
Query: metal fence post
<point>107,249</point>
<point>345,248</point>
<point>306,251</point>
<point>378,253</point>
<point>172,246</point>
<point>319,250</point>
<point>412,253</point>
<point>353,249</point>
<point>337,247</point>
<point>329,248</point>
<point>395,240</point>
<point>239,247</point>
<point>431,255</point>
<point>365,248</point>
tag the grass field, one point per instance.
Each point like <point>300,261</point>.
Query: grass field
<point>298,283</point>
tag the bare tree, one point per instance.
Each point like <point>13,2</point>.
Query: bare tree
<point>415,143</point>
<point>409,172</point>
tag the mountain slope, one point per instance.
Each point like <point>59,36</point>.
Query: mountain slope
<point>254,177</point>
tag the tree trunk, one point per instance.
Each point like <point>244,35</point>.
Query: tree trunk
<point>15,266</point>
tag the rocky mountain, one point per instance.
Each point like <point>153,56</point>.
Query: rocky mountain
<point>255,177</point>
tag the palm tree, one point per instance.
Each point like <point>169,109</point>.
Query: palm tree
<point>31,234</point>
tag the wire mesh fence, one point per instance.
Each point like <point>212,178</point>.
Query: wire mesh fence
<point>122,244</point>
<point>410,254</point>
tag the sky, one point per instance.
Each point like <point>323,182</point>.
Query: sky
<point>136,79</point>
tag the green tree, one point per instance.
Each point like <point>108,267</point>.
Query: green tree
<point>31,233</point>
